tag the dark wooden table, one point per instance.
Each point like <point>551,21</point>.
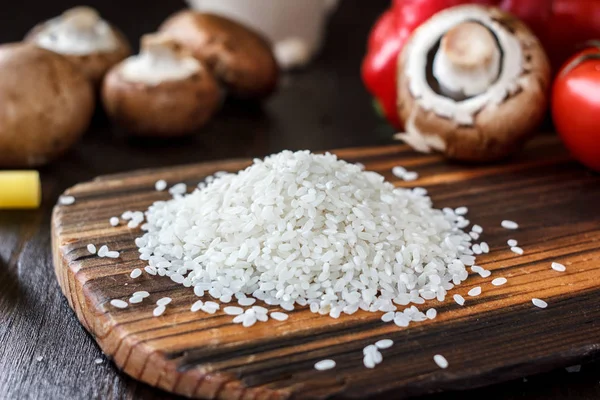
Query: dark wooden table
<point>323,107</point>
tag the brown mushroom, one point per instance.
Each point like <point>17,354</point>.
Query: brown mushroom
<point>239,57</point>
<point>472,84</point>
<point>163,92</point>
<point>85,39</point>
<point>47,104</point>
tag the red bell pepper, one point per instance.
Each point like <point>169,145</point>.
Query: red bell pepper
<point>560,25</point>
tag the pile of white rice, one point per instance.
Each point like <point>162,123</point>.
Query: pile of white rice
<point>308,229</point>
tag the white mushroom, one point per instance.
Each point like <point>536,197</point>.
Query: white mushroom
<point>164,91</point>
<point>81,35</point>
<point>472,84</point>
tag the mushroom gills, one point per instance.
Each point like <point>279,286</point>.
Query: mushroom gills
<point>78,31</point>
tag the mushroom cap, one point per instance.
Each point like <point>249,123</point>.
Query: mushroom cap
<point>47,104</point>
<point>239,57</point>
<point>487,126</point>
<point>169,107</point>
<point>94,64</point>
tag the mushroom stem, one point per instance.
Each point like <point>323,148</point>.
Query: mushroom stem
<point>468,60</point>
<point>81,18</point>
<point>160,49</point>
<point>160,59</point>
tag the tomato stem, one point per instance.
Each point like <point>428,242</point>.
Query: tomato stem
<point>580,60</point>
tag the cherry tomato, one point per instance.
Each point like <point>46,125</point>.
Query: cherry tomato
<point>576,106</point>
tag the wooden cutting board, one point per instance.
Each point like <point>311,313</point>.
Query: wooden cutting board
<point>496,336</point>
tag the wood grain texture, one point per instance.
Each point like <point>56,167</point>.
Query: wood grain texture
<point>497,336</point>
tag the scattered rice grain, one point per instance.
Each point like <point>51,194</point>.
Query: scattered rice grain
<point>324,365</point>
<point>459,299</point>
<point>441,361</point>
<point>507,224</point>
<point>431,313</point>
<point>499,281</point>
<point>233,310</point>
<point>539,303</point>
<point>384,344</point>
<point>484,247</point>
<point>164,301</point>
<point>160,185</point>
<point>197,306</point>
<point>135,273</point>
<point>66,200</point>
<point>279,316</point>
<point>558,267</point>
<point>517,250</point>
<point>118,303</point>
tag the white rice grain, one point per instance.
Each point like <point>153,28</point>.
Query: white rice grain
<point>324,365</point>
<point>246,301</point>
<point>485,273</point>
<point>197,306</point>
<point>158,311</point>
<point>539,303</point>
<point>499,281</point>
<point>459,299</point>
<point>507,224</point>
<point>160,185</point>
<point>279,316</point>
<point>368,361</point>
<point>410,176</point>
<point>388,316</point>
<point>461,211</point>
<point>484,247</point>
<point>118,303</point>
<point>441,361</point>
<point>91,248</point>
<point>113,221</point>
<point>399,171</point>
<point>476,291</point>
<point>66,200</point>
<point>517,250</point>
<point>164,301</point>
<point>512,242</point>
<point>112,254</point>
<point>136,273</point>
<point>384,344</point>
<point>233,310</point>
<point>102,251</point>
<point>178,189</point>
<point>431,313</point>
<point>558,267</point>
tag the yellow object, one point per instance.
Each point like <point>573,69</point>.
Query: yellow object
<point>20,189</point>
